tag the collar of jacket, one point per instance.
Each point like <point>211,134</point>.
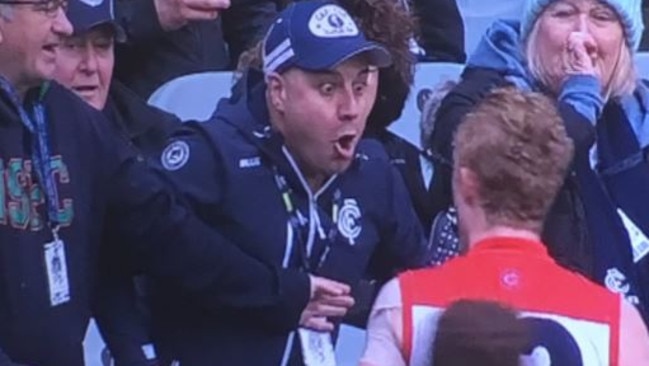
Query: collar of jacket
<point>9,113</point>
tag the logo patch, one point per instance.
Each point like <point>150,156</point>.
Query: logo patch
<point>175,155</point>
<point>616,282</point>
<point>332,21</point>
<point>510,279</point>
<point>349,220</point>
<point>250,162</point>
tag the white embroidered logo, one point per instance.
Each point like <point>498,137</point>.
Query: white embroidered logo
<point>349,220</point>
<point>332,21</point>
<point>616,282</point>
<point>250,162</point>
<point>175,155</point>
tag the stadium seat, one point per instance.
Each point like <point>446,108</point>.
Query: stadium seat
<point>479,14</point>
<point>193,96</point>
<point>427,77</point>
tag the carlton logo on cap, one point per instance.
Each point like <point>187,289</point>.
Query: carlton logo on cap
<point>332,21</point>
<point>92,3</point>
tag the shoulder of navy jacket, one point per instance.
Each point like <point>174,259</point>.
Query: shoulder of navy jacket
<point>262,133</point>
<point>371,149</point>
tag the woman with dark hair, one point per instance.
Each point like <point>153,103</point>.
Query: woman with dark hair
<point>387,22</point>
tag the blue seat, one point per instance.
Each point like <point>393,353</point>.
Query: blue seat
<point>427,77</point>
<point>193,96</point>
<point>479,14</point>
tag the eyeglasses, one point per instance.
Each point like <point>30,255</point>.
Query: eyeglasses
<point>49,7</point>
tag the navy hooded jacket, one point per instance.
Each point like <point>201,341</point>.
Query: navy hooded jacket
<point>99,177</point>
<point>360,222</point>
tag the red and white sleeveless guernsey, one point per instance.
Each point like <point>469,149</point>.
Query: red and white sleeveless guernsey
<point>574,321</point>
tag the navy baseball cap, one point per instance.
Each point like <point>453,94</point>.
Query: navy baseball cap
<point>87,14</point>
<point>317,35</point>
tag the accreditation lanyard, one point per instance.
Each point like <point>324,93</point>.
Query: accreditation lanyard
<point>41,155</point>
<point>295,222</point>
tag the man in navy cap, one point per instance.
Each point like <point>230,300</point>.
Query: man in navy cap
<point>66,177</point>
<point>282,170</point>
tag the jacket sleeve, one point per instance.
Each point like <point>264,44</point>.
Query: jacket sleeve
<point>171,244</point>
<point>580,106</point>
<point>139,19</point>
<point>402,245</point>
<point>6,361</point>
<point>442,30</point>
<point>245,23</point>
<point>119,313</point>
<point>472,88</point>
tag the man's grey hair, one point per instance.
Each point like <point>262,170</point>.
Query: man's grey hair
<point>6,11</point>
<point>429,110</point>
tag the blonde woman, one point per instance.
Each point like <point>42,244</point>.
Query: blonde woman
<point>580,53</point>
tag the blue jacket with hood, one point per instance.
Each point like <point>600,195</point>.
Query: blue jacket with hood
<point>103,185</point>
<point>360,222</point>
<point>610,172</point>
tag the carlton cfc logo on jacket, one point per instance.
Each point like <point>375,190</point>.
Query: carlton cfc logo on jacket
<point>349,220</point>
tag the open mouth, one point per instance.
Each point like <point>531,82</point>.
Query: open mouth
<point>345,145</point>
<point>50,47</point>
<point>85,90</point>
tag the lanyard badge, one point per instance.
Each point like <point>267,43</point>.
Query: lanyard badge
<point>54,251</point>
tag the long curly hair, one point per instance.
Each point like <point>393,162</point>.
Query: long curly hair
<point>389,23</point>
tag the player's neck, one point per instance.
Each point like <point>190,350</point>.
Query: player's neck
<point>501,231</point>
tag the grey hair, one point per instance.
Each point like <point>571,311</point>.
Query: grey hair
<point>429,110</point>
<point>623,78</point>
<point>6,11</point>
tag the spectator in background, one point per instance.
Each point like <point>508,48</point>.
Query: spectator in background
<point>282,168</point>
<point>476,332</point>
<point>441,30</point>
<point>388,23</point>
<point>511,155</point>
<point>580,53</point>
<point>170,38</point>
<point>85,65</point>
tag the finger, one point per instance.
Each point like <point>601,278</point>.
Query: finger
<point>324,310</point>
<point>327,286</point>
<point>344,301</point>
<point>319,324</point>
<point>196,15</point>
<point>591,47</point>
<point>206,5</point>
